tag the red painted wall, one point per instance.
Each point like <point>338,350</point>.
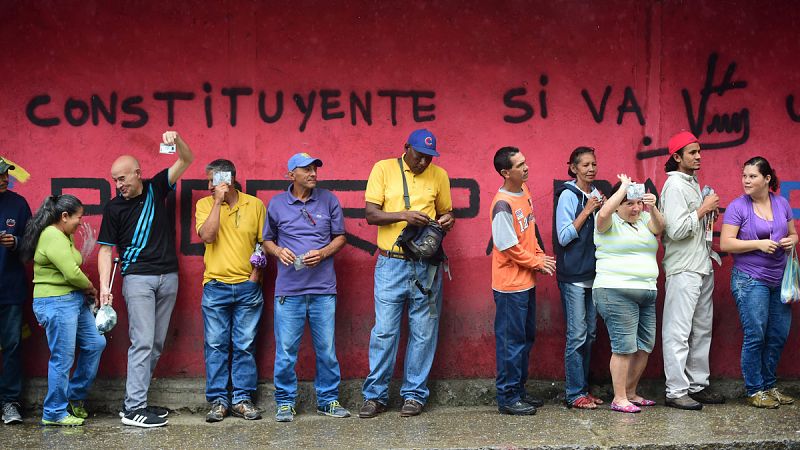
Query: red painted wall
<point>481,74</point>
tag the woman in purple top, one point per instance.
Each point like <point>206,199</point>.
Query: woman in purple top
<point>758,229</point>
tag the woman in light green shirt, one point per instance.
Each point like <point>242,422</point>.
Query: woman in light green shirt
<point>62,295</point>
<point>624,289</point>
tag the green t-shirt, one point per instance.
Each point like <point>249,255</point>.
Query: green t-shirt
<point>57,265</point>
<point>626,255</point>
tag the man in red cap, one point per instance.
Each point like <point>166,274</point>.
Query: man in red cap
<point>689,213</point>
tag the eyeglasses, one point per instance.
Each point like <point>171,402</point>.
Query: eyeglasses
<point>308,216</point>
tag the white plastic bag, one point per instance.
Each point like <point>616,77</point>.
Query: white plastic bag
<point>790,286</point>
<point>106,319</point>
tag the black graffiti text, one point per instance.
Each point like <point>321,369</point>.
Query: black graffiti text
<point>737,122</point>
<point>273,106</point>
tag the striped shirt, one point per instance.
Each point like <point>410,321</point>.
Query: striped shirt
<point>626,255</point>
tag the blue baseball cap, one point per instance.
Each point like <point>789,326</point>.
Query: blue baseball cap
<point>423,141</point>
<point>303,160</point>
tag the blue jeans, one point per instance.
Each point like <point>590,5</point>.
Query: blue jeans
<point>630,317</point>
<point>765,323</point>
<point>514,333</point>
<point>581,318</point>
<point>11,373</point>
<point>230,322</point>
<point>290,321</point>
<point>68,322</point>
<point>394,288</point>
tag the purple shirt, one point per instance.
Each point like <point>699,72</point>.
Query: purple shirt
<point>301,227</point>
<point>757,264</point>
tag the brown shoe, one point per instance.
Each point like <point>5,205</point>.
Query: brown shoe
<point>762,399</point>
<point>370,409</point>
<point>246,410</point>
<point>707,397</point>
<point>782,398</point>
<point>411,408</point>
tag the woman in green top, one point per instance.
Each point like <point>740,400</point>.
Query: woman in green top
<point>61,299</point>
<point>624,288</point>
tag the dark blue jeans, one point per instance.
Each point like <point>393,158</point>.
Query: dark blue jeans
<point>11,374</point>
<point>514,333</point>
<point>230,322</point>
<point>765,323</point>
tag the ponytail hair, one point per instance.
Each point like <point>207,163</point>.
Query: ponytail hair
<point>49,213</point>
<point>671,165</point>
<point>575,158</point>
<point>764,169</point>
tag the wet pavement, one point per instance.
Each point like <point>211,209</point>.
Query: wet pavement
<point>733,425</point>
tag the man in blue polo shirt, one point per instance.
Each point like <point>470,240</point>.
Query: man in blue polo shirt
<point>304,229</point>
<point>14,215</point>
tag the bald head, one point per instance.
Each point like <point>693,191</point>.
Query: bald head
<point>127,176</point>
<point>124,162</point>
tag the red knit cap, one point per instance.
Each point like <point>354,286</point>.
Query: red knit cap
<point>680,140</point>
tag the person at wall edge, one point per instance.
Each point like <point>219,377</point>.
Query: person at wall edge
<point>758,229</point>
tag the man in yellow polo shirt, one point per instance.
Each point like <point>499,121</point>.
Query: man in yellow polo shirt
<point>395,275</point>
<point>230,222</point>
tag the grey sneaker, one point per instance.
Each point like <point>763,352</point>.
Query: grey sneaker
<point>11,413</point>
<point>217,413</point>
<point>246,410</point>
<point>285,413</point>
<point>333,409</point>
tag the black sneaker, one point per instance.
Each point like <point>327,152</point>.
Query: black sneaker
<point>143,418</point>
<point>519,408</point>
<point>531,400</point>
<point>159,411</point>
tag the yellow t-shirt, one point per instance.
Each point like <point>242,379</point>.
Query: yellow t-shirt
<point>429,193</point>
<point>228,259</point>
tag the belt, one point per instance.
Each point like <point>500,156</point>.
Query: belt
<point>390,254</point>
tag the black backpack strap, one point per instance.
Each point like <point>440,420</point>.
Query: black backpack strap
<point>406,197</point>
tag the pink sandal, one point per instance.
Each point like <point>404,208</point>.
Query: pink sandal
<point>643,402</point>
<point>626,409</point>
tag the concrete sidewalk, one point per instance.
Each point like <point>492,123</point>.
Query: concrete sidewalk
<point>459,414</point>
<point>189,393</point>
<point>733,425</point>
